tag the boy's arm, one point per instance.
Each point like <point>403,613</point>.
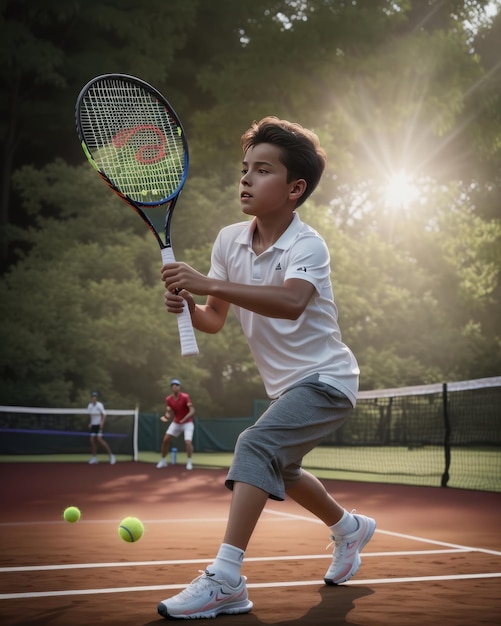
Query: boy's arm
<point>208,317</point>
<point>285,302</point>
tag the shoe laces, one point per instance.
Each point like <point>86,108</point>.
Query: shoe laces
<point>201,583</point>
<point>339,550</point>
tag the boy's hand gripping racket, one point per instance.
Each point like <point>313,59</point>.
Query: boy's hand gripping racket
<point>135,141</point>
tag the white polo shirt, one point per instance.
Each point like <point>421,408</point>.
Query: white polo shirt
<point>96,411</point>
<point>286,351</point>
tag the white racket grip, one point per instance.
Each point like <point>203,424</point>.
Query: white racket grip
<point>187,337</point>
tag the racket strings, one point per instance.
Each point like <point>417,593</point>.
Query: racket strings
<point>134,140</point>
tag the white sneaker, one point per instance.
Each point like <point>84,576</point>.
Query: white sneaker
<point>189,464</point>
<point>93,461</point>
<point>161,463</point>
<point>346,557</point>
<point>207,597</point>
<point>112,459</point>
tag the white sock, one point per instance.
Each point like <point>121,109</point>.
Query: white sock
<point>346,525</point>
<point>227,564</point>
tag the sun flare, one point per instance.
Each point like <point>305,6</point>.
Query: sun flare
<point>400,191</point>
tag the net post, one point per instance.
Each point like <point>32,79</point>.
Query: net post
<point>135,435</point>
<point>447,436</point>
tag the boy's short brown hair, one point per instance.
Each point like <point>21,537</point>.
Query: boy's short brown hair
<point>300,149</point>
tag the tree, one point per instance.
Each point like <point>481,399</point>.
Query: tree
<point>83,309</point>
<point>396,90</point>
<point>51,49</point>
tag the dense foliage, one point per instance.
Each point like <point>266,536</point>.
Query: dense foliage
<point>399,91</point>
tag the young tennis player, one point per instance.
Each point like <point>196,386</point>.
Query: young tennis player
<point>274,271</point>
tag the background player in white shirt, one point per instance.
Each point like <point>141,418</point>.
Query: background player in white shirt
<point>97,416</point>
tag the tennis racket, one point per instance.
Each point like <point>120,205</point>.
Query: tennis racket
<point>133,138</point>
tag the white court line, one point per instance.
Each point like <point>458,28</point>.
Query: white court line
<point>314,520</point>
<point>252,559</point>
<point>278,514</point>
<point>440,543</point>
<point>453,548</point>
<point>297,583</point>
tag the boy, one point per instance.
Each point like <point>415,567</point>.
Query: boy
<point>275,272</point>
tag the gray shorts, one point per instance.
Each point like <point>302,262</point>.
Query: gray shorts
<point>269,453</point>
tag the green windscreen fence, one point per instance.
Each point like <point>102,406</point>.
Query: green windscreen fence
<point>211,435</point>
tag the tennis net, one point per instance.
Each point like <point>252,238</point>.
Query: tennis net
<point>34,430</point>
<point>442,435</point>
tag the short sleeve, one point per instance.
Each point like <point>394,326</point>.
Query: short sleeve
<point>309,259</point>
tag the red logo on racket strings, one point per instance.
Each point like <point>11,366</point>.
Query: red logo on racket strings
<point>148,153</point>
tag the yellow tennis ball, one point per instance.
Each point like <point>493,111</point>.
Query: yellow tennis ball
<point>72,514</point>
<point>131,529</point>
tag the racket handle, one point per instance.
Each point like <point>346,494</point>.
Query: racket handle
<point>189,345</point>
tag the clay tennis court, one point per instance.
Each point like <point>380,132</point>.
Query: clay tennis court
<point>434,559</point>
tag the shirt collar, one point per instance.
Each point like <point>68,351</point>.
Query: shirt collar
<point>285,240</point>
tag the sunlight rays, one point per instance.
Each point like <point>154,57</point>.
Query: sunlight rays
<point>400,191</point>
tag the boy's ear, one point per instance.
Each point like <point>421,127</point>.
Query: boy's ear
<point>298,187</point>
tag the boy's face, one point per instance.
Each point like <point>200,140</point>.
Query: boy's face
<point>264,189</point>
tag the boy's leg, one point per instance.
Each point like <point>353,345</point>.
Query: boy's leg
<point>247,504</point>
<point>268,452</point>
<point>221,589</point>
<point>310,493</point>
<point>349,532</point>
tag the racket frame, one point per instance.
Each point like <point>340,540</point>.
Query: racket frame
<point>188,341</point>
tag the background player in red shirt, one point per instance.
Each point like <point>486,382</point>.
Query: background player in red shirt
<point>179,407</point>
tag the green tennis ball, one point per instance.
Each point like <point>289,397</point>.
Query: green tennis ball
<point>72,514</point>
<point>131,529</point>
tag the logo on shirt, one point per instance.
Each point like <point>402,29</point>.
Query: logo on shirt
<point>278,267</point>
<point>301,269</point>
